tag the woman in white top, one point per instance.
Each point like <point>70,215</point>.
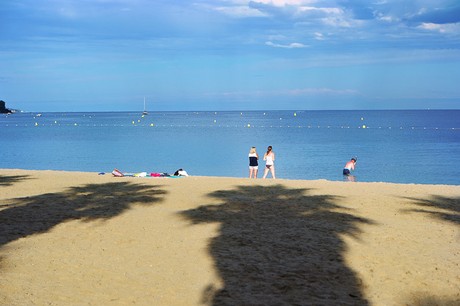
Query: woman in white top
<point>269,158</point>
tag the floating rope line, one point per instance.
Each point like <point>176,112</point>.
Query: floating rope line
<point>246,126</point>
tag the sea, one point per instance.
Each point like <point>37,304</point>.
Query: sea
<point>398,146</point>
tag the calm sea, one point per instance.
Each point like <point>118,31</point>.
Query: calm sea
<point>413,146</point>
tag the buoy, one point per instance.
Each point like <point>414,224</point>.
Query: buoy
<point>364,126</point>
<point>133,121</point>
<point>36,123</point>
<point>249,125</point>
<point>362,118</point>
<point>295,114</point>
<point>151,124</point>
<point>214,120</point>
<point>75,124</point>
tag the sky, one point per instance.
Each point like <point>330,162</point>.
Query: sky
<point>107,55</point>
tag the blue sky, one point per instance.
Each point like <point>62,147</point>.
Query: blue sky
<point>103,55</point>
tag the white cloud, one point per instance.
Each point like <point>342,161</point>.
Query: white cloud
<point>319,36</point>
<point>335,22</point>
<point>289,46</point>
<point>280,3</point>
<point>387,18</point>
<point>441,28</point>
<point>322,91</point>
<point>240,11</point>
<point>296,8</point>
<point>326,10</point>
<point>277,37</point>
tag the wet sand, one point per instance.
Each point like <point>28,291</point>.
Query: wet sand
<point>73,238</point>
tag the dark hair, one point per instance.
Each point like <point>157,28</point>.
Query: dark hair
<point>269,149</point>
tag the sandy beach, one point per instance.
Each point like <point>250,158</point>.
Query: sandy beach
<point>73,238</point>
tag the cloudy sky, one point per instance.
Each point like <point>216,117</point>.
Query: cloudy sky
<point>102,55</point>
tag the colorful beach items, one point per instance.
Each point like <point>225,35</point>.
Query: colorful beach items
<point>118,173</point>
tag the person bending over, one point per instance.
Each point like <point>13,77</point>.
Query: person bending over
<point>349,166</point>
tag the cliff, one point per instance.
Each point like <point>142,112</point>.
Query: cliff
<point>3,109</point>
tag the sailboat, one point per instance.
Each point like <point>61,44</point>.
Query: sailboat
<point>145,111</point>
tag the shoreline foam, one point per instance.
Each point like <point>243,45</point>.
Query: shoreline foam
<point>234,177</point>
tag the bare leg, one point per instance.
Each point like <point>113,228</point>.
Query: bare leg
<point>265,172</point>
<point>255,173</point>
<point>272,170</point>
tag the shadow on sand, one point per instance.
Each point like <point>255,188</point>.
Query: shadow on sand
<point>280,246</point>
<point>8,180</point>
<point>22,217</point>
<point>442,208</point>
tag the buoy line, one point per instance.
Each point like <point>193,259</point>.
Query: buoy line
<point>213,125</point>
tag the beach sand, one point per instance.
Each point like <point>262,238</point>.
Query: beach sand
<point>72,238</point>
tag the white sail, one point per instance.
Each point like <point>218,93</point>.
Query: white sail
<point>145,111</point>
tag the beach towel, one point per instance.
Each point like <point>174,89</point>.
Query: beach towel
<point>117,173</point>
<point>181,172</point>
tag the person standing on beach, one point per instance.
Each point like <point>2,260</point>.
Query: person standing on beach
<point>269,158</point>
<point>253,163</point>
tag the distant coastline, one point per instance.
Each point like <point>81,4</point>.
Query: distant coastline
<point>3,109</point>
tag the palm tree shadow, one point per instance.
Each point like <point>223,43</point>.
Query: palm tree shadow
<point>279,246</point>
<point>442,208</point>
<point>8,180</point>
<point>38,214</point>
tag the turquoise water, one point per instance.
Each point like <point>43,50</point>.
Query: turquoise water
<point>414,146</point>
